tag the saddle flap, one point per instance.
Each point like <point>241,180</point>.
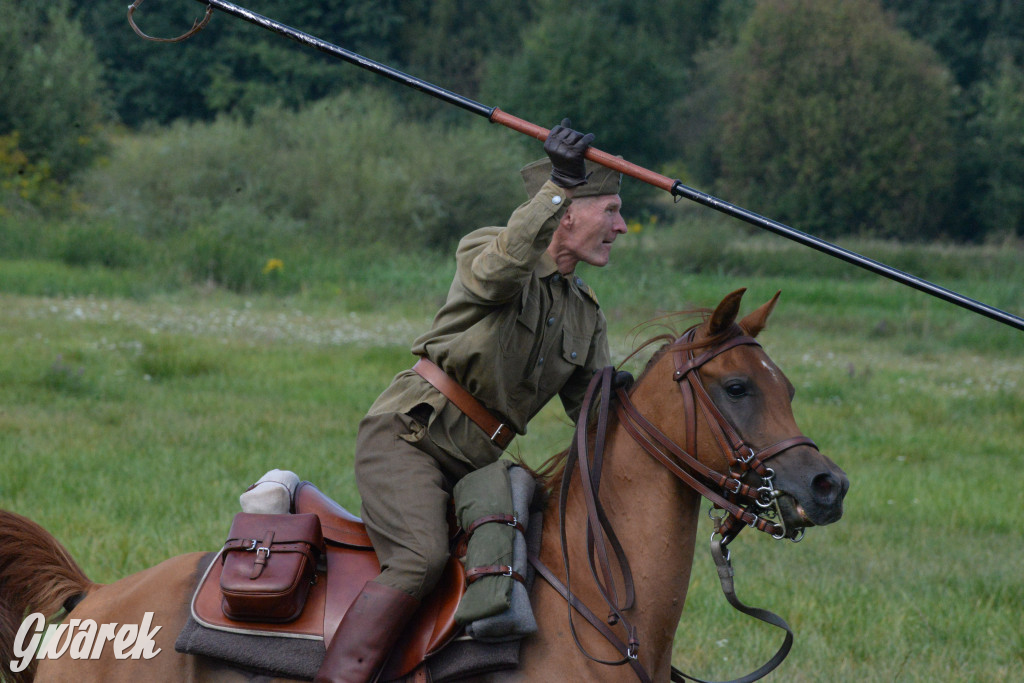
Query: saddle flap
<point>330,596</point>
<point>338,524</point>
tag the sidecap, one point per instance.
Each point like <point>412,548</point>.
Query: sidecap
<point>600,179</point>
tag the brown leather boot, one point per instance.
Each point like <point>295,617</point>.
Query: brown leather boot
<point>366,634</point>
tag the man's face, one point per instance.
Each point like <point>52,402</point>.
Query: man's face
<point>596,222</point>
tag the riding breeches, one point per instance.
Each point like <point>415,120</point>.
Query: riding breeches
<point>405,491</point>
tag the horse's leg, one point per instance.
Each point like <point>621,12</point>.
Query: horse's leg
<point>165,590</point>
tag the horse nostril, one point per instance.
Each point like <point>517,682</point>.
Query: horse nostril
<point>824,487</point>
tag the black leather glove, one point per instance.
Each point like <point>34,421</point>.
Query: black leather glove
<point>623,379</point>
<point>566,147</point>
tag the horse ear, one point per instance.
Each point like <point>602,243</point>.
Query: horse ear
<point>756,321</point>
<point>725,315</point>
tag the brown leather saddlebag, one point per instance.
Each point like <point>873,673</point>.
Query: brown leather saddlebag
<point>269,565</point>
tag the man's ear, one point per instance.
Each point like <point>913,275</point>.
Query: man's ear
<point>568,220</point>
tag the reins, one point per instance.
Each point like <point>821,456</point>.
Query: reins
<point>742,504</point>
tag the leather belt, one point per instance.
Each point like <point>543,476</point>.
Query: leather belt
<point>500,433</point>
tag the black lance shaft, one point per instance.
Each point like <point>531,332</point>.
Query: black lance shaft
<point>675,187</point>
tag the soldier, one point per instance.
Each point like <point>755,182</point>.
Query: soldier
<point>518,327</point>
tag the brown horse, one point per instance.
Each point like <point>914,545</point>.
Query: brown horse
<point>653,505</point>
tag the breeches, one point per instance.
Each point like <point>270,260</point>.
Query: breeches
<point>405,493</point>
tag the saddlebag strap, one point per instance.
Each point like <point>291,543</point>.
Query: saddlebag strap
<point>477,573</point>
<point>498,518</point>
<point>500,433</point>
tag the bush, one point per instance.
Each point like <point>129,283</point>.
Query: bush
<point>236,248</point>
<point>352,169</point>
<point>826,117</point>
<point>100,242</point>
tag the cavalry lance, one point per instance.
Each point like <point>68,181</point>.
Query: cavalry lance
<point>674,187</point>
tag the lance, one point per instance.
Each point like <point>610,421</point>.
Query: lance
<point>672,186</point>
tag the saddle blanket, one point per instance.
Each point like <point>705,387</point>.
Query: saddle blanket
<point>300,658</point>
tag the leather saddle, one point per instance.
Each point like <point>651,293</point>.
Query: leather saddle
<point>350,563</point>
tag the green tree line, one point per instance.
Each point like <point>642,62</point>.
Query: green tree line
<point>894,118</point>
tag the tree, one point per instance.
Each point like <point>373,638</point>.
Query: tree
<point>614,67</point>
<point>233,66</point>
<point>999,146</point>
<point>54,98</point>
<point>983,43</point>
<point>451,42</point>
<point>826,116</point>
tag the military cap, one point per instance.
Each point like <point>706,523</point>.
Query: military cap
<point>600,179</point>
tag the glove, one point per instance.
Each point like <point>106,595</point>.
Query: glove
<point>566,147</point>
<point>622,380</point>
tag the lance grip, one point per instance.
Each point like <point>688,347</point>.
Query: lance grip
<point>597,156</point>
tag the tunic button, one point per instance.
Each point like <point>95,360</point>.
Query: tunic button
<point>556,199</point>
<point>541,361</point>
<point>551,321</point>
<point>579,282</point>
<point>573,355</point>
<point>556,277</point>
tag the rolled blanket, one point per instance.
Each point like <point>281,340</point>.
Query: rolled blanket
<point>486,493</point>
<point>271,494</point>
<point>516,621</point>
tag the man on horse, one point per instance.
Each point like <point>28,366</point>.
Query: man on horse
<point>518,327</point>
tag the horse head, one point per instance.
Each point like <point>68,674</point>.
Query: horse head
<point>738,424</point>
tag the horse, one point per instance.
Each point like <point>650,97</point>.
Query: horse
<point>714,390</point>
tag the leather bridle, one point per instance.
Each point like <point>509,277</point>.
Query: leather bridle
<point>727,492</point>
<point>742,504</point>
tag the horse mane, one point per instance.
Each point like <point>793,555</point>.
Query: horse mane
<point>36,575</point>
<point>549,474</point>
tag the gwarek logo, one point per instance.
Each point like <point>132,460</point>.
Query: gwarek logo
<point>82,639</point>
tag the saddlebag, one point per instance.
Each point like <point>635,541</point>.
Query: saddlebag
<point>269,564</point>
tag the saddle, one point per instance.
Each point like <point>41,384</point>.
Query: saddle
<point>347,563</point>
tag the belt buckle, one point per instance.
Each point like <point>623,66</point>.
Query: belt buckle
<point>501,433</point>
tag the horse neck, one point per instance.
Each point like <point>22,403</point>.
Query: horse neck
<point>655,518</point>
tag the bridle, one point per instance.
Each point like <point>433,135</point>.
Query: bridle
<point>740,504</point>
<point>743,505</point>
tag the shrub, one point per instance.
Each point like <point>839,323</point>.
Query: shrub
<point>829,118</point>
<point>87,242</point>
<point>348,170</point>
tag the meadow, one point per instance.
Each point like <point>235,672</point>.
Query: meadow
<point>133,414</point>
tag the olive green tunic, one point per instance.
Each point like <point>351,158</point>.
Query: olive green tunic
<point>515,333</point>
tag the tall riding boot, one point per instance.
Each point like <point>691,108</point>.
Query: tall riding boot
<point>366,634</point>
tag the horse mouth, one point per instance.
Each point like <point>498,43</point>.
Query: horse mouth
<point>804,520</point>
<point>796,516</point>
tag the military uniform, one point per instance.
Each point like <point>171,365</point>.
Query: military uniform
<point>514,332</point>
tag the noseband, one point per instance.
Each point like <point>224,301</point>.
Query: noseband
<point>726,492</point>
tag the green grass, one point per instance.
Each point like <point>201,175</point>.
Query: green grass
<point>133,414</point>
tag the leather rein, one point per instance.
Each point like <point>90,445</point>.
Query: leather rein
<point>741,504</point>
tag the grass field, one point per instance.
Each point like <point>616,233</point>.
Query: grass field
<point>131,419</point>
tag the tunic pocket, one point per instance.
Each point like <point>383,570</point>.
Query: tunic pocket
<point>520,341</point>
<point>575,349</point>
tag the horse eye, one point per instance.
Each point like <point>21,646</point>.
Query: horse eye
<point>736,389</point>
